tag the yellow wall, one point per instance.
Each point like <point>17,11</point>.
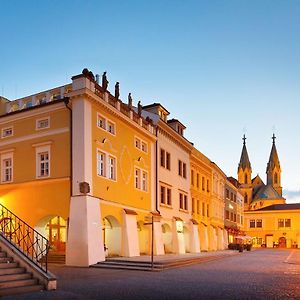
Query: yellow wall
<point>29,198</point>
<point>121,146</point>
<point>270,225</point>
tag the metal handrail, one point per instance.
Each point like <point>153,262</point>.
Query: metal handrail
<point>24,238</point>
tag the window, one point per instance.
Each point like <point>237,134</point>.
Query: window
<point>140,144</point>
<point>42,123</point>
<point>252,223</point>
<point>111,127</point>
<point>106,124</point>
<point>234,197</point>
<point>184,170</point>
<point>165,159</point>
<point>162,195</point>
<point>111,168</point>
<point>181,169</point>
<point>192,177</point>
<point>246,179</point>
<point>43,164</point>
<point>275,178</point>
<point>287,223</point>
<point>231,216</point>
<point>198,180</point>
<point>203,209</point>
<point>227,194</point>
<point>234,218</point>
<point>169,196</point>
<point>203,183</point>
<point>144,181</point>
<point>43,160</point>
<point>168,160</point>
<point>141,179</point>
<point>227,214</point>
<point>7,167</point>
<point>238,218</point>
<point>280,223</point>
<point>137,178</point>
<point>246,198</point>
<point>106,165</point>
<point>198,207</point>
<point>259,223</point>
<point>207,185</point>
<point>144,147</point>
<point>101,164</point>
<point>183,201</point>
<point>165,195</point>
<point>162,157</point>
<point>207,210</point>
<point>193,205</point>
<point>6,132</point>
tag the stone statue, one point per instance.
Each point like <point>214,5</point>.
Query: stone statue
<point>129,101</point>
<point>140,107</point>
<point>104,81</point>
<point>117,90</point>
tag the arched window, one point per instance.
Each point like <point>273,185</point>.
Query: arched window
<point>246,178</point>
<point>246,198</point>
<point>276,178</point>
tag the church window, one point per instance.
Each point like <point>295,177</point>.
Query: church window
<point>246,178</point>
<point>246,198</point>
<point>276,178</point>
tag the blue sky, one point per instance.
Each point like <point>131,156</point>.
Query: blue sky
<point>223,68</point>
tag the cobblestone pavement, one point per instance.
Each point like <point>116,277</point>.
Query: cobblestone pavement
<point>261,274</point>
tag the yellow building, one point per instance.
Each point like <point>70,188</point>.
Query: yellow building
<point>201,188</point>
<point>87,170</point>
<point>268,219</point>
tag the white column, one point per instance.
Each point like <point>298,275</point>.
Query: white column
<point>220,239</point>
<point>203,237</point>
<point>225,238</point>
<point>158,239</point>
<point>178,237</point>
<point>85,242</point>
<point>130,235</point>
<point>194,238</point>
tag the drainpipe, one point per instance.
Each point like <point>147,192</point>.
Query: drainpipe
<point>156,170</point>
<point>67,101</point>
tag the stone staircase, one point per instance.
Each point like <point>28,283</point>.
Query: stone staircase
<point>56,258</point>
<point>14,279</point>
<point>142,265</point>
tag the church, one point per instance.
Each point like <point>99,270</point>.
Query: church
<point>269,220</point>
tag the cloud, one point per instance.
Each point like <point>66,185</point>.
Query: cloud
<point>292,196</point>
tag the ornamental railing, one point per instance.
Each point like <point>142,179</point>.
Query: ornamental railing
<point>24,238</point>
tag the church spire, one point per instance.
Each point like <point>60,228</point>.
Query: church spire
<point>244,161</point>
<point>273,169</point>
<point>273,160</point>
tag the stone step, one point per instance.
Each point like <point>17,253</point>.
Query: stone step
<point>12,271</point>
<point>21,290</point>
<point>8,265</point>
<point>10,277</point>
<point>18,283</point>
<point>158,266</point>
<point>5,259</point>
<point>2,254</point>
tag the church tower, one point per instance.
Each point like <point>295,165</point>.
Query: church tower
<point>274,170</point>
<point>244,176</point>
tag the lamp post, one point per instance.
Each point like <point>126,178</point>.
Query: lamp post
<point>150,221</point>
